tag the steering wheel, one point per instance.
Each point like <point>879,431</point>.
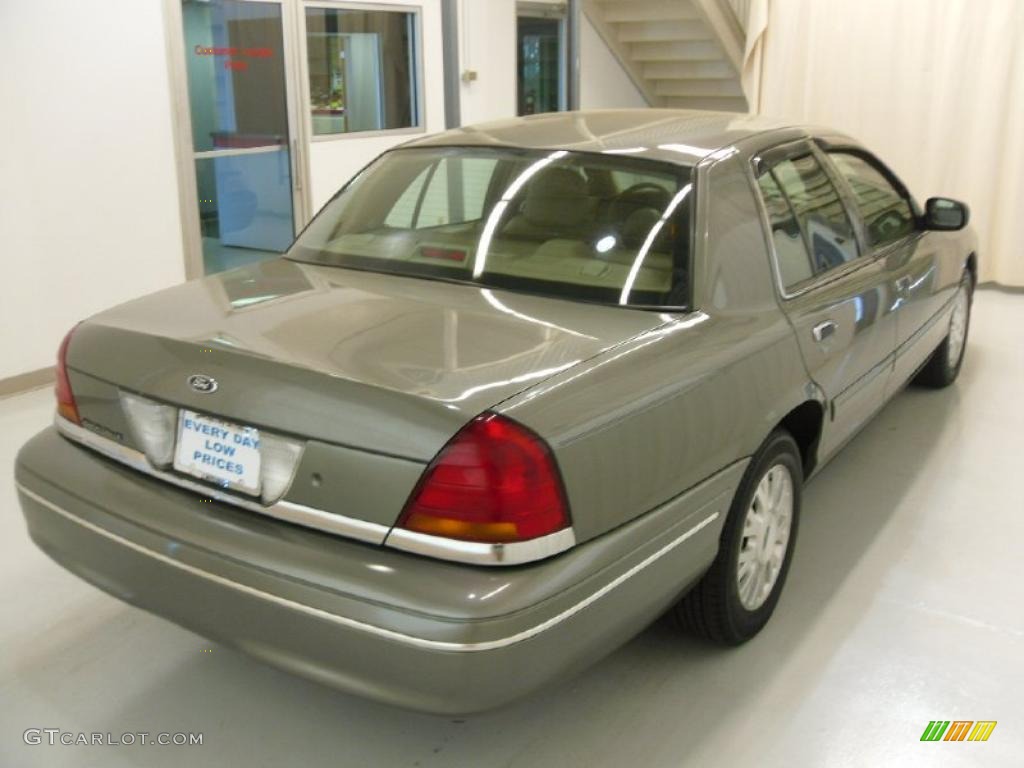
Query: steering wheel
<point>623,203</point>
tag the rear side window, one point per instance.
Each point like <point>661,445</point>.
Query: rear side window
<point>819,211</point>
<point>790,251</point>
<point>886,213</point>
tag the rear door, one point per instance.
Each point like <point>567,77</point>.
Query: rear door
<point>836,296</point>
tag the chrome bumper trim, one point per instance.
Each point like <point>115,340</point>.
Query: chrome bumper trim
<point>454,550</point>
<point>481,552</point>
<point>288,511</point>
<point>400,637</point>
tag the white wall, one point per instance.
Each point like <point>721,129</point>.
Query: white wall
<point>332,162</point>
<point>88,194</point>
<point>604,84</point>
<point>487,45</point>
<point>89,211</point>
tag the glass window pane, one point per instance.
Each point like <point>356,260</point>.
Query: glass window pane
<point>551,223</point>
<point>455,193</point>
<point>790,250</point>
<point>887,215</point>
<point>819,210</point>
<point>235,70</point>
<point>434,210</point>
<point>403,212</point>
<point>540,65</point>
<point>245,207</point>
<point>477,173</point>
<point>627,180</point>
<point>361,70</point>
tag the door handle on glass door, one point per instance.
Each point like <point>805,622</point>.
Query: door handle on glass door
<point>823,330</point>
<point>296,176</point>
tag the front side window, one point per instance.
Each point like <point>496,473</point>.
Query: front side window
<point>582,226</point>
<point>819,211</point>
<point>887,214</point>
<point>362,70</point>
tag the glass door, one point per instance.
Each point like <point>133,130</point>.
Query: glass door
<point>239,82</point>
<point>540,53</point>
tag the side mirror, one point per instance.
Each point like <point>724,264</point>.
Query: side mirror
<point>944,214</point>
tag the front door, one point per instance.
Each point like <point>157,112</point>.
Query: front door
<point>892,232</point>
<point>247,200</point>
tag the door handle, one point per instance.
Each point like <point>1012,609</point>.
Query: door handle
<point>823,330</point>
<point>903,284</point>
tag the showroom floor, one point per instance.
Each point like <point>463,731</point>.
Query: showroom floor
<point>903,606</point>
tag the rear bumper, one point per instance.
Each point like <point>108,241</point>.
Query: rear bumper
<point>407,630</point>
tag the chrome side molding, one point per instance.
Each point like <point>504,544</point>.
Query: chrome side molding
<point>288,511</point>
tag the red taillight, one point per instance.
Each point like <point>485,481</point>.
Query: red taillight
<point>494,481</point>
<point>66,406</point>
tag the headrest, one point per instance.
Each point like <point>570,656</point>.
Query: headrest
<point>556,196</point>
<point>638,226</point>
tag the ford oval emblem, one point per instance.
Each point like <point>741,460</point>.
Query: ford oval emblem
<point>202,383</point>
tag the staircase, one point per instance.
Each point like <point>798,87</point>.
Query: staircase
<point>679,53</point>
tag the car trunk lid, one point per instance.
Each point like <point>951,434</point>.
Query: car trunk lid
<point>374,362</point>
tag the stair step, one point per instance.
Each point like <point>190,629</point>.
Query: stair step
<point>707,102</point>
<point>717,88</point>
<point>668,70</point>
<point>647,31</point>
<point>689,50</point>
<point>649,10</point>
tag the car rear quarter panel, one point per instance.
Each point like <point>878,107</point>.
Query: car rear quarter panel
<point>643,422</point>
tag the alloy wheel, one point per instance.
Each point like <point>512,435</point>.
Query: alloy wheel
<point>957,327</point>
<point>765,539</point>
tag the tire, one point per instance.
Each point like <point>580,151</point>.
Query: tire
<point>721,608</point>
<point>943,366</point>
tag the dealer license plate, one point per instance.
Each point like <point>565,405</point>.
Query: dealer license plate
<point>218,451</point>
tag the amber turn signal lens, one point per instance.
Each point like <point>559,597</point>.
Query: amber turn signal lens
<point>461,529</point>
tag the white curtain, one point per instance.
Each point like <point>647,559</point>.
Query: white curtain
<point>935,87</point>
<point>754,15</point>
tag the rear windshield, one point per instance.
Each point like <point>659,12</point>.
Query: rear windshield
<point>584,226</point>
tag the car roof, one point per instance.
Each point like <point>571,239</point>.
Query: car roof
<point>680,136</point>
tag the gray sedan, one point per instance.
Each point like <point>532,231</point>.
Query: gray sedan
<point>516,391</point>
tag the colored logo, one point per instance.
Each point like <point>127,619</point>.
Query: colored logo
<point>958,730</point>
<point>202,383</point>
